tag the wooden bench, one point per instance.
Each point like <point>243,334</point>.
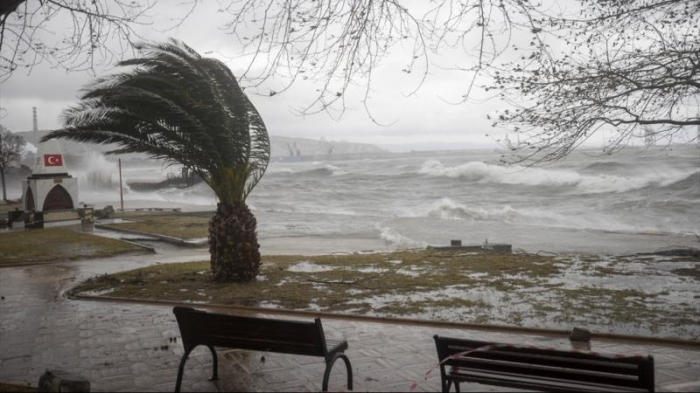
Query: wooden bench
<point>258,334</point>
<point>545,369</point>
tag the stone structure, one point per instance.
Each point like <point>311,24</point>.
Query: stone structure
<point>50,187</point>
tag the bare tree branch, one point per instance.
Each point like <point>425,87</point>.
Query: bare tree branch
<point>70,34</point>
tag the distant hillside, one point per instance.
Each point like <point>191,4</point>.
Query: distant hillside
<point>281,146</point>
<point>287,147</point>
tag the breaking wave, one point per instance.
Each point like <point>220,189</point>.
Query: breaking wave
<point>199,194</point>
<point>690,184</point>
<point>481,172</point>
<point>397,241</point>
<point>606,166</point>
<point>328,170</point>
<point>447,209</point>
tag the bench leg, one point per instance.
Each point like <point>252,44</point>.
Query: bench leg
<point>329,366</point>
<point>446,385</point>
<point>216,363</point>
<point>181,371</point>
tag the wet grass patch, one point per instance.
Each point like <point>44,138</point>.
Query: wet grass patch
<point>58,244</point>
<point>179,225</point>
<point>341,280</point>
<point>6,387</point>
<point>525,290</point>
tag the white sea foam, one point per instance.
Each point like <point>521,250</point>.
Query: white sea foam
<point>477,171</point>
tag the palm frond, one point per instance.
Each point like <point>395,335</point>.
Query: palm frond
<point>175,105</point>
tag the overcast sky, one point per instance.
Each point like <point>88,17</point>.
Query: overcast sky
<point>425,120</point>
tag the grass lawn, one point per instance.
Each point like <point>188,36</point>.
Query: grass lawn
<point>524,290</point>
<point>56,244</point>
<point>5,387</point>
<point>181,226</point>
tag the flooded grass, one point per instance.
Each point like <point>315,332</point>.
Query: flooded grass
<point>58,244</point>
<point>525,290</point>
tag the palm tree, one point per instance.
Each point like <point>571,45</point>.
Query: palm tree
<point>176,105</point>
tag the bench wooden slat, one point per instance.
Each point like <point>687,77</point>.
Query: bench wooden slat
<point>553,360</point>
<point>543,371</point>
<point>578,357</point>
<point>541,368</point>
<point>519,381</point>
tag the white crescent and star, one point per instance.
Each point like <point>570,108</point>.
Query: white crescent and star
<point>52,160</point>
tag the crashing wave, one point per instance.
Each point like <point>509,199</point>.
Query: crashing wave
<point>481,172</point>
<point>395,240</point>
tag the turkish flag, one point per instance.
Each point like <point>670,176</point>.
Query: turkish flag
<point>53,160</point>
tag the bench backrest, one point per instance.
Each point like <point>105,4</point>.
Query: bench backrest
<point>260,334</point>
<point>635,372</point>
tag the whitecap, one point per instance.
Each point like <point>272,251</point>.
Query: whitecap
<point>477,171</point>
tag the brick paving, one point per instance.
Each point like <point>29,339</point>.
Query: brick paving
<point>129,347</point>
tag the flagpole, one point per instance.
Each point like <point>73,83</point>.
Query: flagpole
<point>121,193</point>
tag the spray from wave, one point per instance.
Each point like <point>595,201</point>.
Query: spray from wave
<point>396,241</point>
<point>96,173</point>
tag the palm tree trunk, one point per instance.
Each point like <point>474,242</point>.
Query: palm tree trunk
<point>233,244</point>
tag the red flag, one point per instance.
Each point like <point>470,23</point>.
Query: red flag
<point>53,160</point>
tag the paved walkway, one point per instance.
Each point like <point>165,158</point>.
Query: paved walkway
<point>131,347</point>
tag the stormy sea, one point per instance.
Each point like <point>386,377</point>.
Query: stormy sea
<point>614,226</point>
<point>637,200</point>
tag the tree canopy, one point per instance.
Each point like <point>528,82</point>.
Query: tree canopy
<point>173,104</point>
<point>10,152</point>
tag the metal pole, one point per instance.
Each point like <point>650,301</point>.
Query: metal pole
<point>121,193</point>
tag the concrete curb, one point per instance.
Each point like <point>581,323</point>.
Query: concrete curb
<point>135,252</point>
<point>147,248</point>
<point>398,321</point>
<point>169,239</point>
